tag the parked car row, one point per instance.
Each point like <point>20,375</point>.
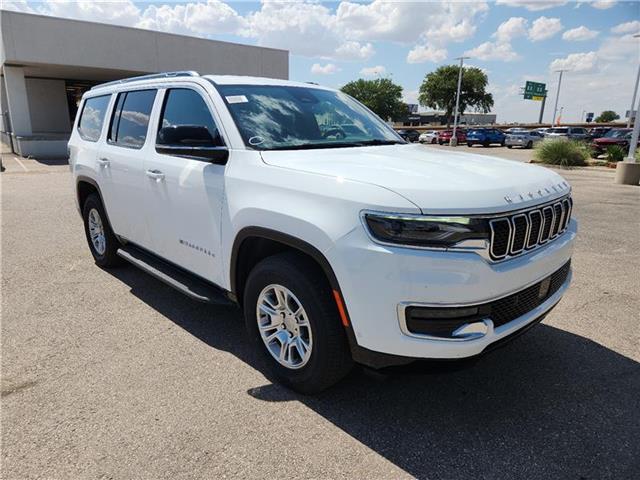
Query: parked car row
<point>600,137</point>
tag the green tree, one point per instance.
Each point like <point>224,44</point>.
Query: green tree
<point>438,90</point>
<point>380,95</point>
<point>607,116</point>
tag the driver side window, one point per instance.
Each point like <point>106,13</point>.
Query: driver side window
<point>186,121</point>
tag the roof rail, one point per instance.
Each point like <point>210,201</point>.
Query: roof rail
<point>181,73</point>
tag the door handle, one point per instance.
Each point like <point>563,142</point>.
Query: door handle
<point>157,175</point>
<point>103,162</point>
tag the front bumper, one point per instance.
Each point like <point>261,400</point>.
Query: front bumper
<point>377,280</point>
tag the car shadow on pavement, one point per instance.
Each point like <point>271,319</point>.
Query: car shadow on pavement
<point>551,404</point>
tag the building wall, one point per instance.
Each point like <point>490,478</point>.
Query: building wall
<point>39,40</point>
<point>48,107</point>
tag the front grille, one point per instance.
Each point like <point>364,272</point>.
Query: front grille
<point>514,234</point>
<point>419,320</point>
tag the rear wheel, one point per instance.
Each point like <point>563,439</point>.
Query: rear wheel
<point>530,144</point>
<point>292,317</point>
<point>509,146</point>
<point>101,239</point>
<point>485,144</point>
<point>469,144</point>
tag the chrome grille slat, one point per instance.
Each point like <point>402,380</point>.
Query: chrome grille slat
<point>541,225</point>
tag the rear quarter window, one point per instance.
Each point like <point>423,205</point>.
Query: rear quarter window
<point>92,117</point>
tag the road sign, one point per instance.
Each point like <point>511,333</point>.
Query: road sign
<point>534,89</point>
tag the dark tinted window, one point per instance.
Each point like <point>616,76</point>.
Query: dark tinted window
<point>186,120</point>
<point>92,117</point>
<point>131,118</point>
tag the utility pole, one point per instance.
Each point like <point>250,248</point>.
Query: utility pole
<point>555,108</point>
<point>454,139</point>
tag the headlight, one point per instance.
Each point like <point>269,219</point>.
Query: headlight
<point>428,231</point>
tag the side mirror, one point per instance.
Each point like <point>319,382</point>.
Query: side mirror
<point>192,141</point>
<point>218,155</point>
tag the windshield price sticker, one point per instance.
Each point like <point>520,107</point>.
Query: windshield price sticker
<point>237,99</point>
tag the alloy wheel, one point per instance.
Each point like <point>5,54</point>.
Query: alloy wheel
<point>96,232</point>
<point>284,326</point>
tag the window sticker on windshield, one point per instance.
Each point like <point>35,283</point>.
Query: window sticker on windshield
<point>237,99</point>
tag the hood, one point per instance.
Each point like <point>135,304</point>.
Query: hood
<point>436,181</point>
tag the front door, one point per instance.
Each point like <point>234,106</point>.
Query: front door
<point>184,194</point>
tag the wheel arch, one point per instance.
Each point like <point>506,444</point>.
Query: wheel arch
<point>85,186</point>
<point>269,242</point>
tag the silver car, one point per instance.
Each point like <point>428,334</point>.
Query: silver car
<point>526,139</point>
<point>574,133</point>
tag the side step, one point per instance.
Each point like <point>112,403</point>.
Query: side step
<point>175,277</point>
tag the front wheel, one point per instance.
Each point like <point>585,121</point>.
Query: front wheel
<point>469,144</point>
<point>291,316</point>
<point>530,144</point>
<point>101,239</point>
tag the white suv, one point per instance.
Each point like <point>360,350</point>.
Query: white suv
<point>339,248</point>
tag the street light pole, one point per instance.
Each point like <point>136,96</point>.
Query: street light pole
<point>555,108</point>
<point>454,139</point>
<point>635,92</point>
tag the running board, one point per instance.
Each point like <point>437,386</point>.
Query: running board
<point>175,277</point>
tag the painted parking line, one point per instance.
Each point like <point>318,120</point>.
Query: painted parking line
<point>20,163</point>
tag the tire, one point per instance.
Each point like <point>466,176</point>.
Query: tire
<point>94,215</point>
<point>434,141</point>
<point>469,144</point>
<point>509,146</point>
<point>485,144</point>
<point>305,285</point>
<point>529,145</point>
<point>502,143</point>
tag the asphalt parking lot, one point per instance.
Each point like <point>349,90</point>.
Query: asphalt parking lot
<point>111,374</point>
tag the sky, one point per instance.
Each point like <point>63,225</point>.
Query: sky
<point>332,43</point>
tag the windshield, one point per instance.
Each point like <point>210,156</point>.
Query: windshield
<point>617,133</point>
<point>278,117</point>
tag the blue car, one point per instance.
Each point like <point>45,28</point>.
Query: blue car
<point>485,137</point>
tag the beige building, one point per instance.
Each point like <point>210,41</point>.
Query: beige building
<point>47,63</point>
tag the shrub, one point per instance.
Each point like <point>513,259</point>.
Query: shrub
<point>615,153</point>
<point>566,153</point>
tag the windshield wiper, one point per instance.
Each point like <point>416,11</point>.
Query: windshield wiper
<point>364,143</point>
<point>377,141</point>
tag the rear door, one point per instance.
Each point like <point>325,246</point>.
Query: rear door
<point>184,192</point>
<point>121,158</point>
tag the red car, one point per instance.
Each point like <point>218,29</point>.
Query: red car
<point>445,136</point>
<point>616,136</point>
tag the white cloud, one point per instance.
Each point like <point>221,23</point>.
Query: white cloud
<point>373,71</point>
<point>119,12</point>
<point>188,18</point>
<point>510,29</point>
<point>627,27</point>
<point>426,53</point>
<point>579,34</point>
<point>576,62</point>
<point>328,69</point>
<point>353,51</point>
<point>17,6</point>
<point>502,51</point>
<point>406,22</point>
<point>533,5</point>
<point>544,28</point>
<point>603,4</point>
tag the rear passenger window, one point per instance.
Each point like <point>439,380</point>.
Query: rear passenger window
<point>92,117</point>
<point>130,118</point>
<point>187,121</point>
